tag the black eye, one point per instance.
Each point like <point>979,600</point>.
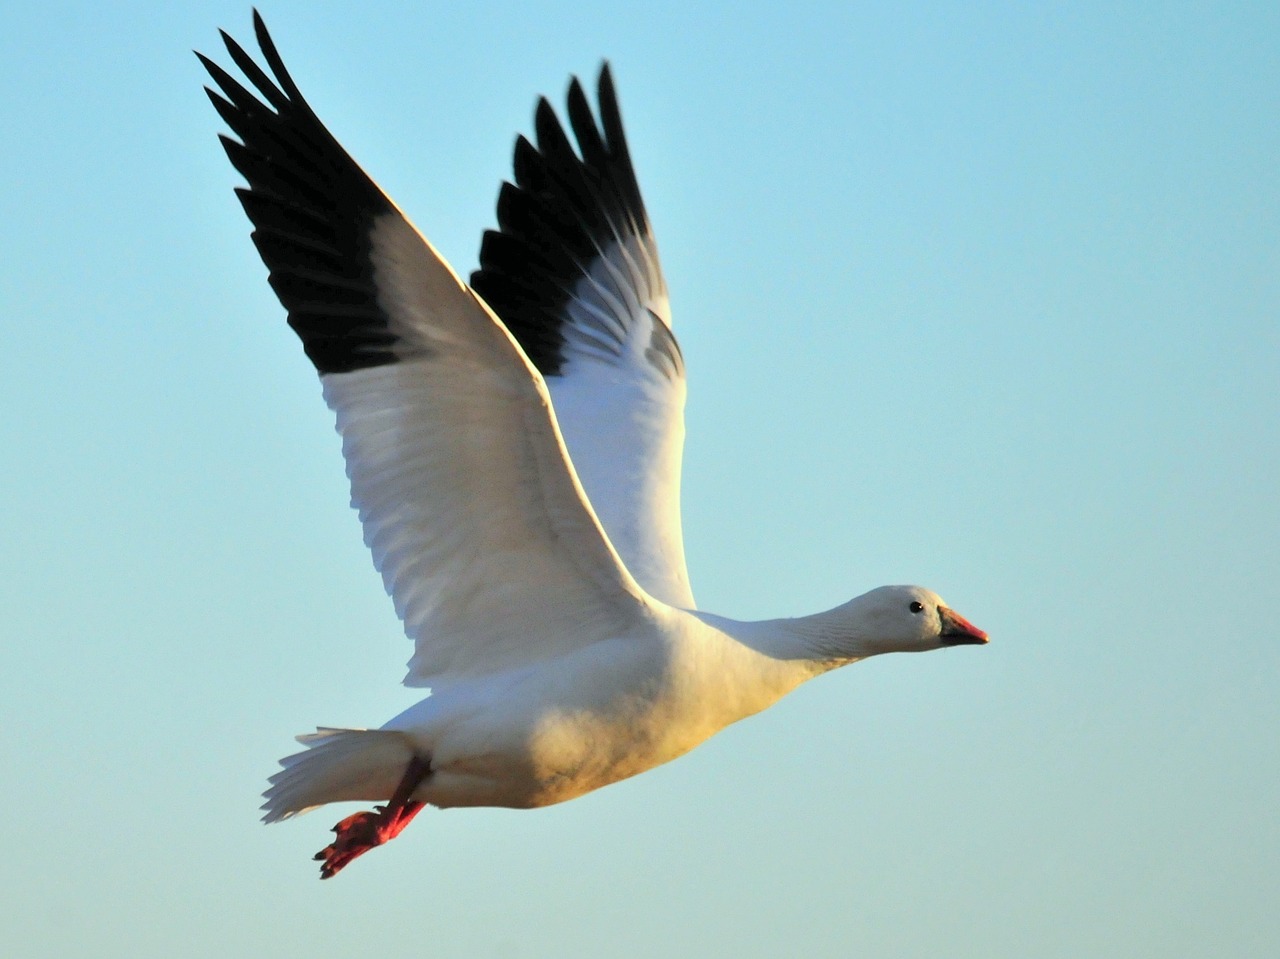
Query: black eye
<point>916,606</point>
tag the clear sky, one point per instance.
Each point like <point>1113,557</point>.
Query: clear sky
<point>984,296</point>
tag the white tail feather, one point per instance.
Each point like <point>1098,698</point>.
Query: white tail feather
<point>338,765</point>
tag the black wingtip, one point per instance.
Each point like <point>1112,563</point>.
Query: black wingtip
<point>575,195</point>
<point>272,55</point>
<point>312,209</point>
<point>604,83</point>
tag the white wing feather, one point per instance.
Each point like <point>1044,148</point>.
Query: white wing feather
<point>621,410</point>
<point>480,529</point>
<point>573,271</point>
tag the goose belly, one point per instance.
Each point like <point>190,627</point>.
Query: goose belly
<point>549,739</point>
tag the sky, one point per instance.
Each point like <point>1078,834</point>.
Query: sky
<point>982,296</point>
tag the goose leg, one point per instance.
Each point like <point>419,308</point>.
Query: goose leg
<point>359,833</point>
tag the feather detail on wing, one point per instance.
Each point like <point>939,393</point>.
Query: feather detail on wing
<point>573,272</point>
<point>472,510</point>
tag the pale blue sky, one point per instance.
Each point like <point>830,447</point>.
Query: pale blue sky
<point>976,295</point>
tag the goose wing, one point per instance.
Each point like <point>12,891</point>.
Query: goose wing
<point>573,272</point>
<point>470,505</point>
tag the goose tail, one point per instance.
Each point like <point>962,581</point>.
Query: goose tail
<point>338,765</point>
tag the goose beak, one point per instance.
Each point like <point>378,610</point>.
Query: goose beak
<point>958,631</point>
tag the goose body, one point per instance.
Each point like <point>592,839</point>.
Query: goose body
<point>514,448</point>
<point>604,713</point>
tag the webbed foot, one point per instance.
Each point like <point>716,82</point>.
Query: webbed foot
<point>359,833</point>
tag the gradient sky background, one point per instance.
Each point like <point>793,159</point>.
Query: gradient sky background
<point>984,296</point>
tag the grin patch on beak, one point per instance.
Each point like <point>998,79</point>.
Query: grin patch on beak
<point>958,631</point>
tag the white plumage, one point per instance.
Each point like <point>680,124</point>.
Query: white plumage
<point>514,450</point>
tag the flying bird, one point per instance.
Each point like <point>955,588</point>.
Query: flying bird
<point>514,449</point>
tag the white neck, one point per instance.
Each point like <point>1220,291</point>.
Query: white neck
<point>814,644</point>
<point>756,664</point>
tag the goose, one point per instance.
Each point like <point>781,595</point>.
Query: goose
<point>514,450</point>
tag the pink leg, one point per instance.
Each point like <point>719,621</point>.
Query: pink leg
<point>359,833</point>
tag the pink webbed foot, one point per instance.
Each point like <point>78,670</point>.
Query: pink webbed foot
<point>359,833</point>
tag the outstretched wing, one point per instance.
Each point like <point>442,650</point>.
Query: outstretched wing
<point>470,505</point>
<point>573,272</point>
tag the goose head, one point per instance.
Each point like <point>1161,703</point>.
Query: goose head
<point>906,619</point>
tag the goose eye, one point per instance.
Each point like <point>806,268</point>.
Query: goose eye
<point>916,606</point>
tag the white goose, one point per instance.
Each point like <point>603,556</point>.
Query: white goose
<point>514,453</point>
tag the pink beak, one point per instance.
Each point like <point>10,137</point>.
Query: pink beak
<point>958,631</point>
